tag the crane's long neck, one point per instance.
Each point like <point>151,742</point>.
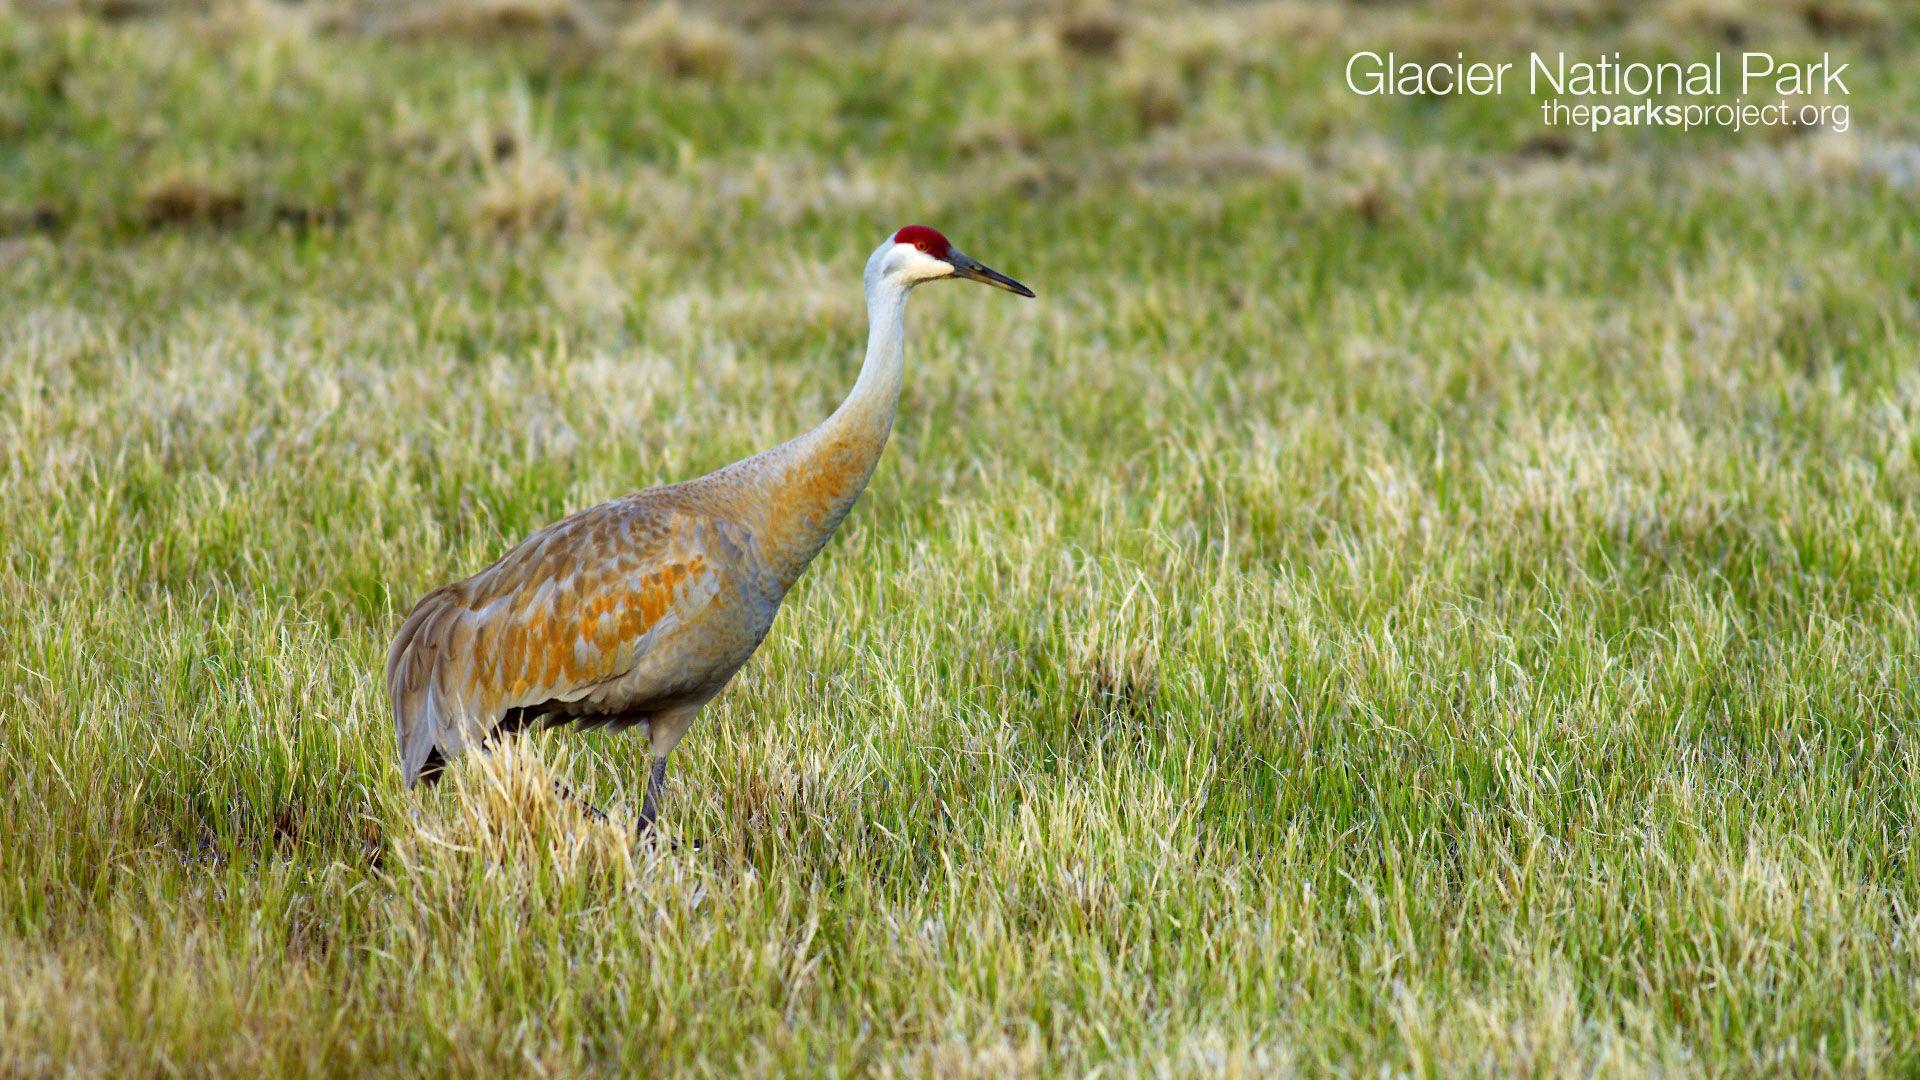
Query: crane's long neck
<point>817,477</point>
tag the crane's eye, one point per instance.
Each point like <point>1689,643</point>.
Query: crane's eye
<point>922,245</point>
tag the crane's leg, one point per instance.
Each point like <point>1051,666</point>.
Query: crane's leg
<point>650,802</point>
<point>568,794</point>
<point>663,734</point>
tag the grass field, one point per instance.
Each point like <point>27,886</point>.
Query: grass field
<point>1418,591</point>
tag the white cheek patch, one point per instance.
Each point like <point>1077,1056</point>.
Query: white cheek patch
<point>914,265</point>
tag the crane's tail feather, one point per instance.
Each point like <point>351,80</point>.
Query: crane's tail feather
<point>427,731</point>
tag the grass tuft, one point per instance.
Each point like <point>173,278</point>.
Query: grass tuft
<point>1096,32</point>
<point>188,199</point>
<point>493,21</point>
<point>682,46</point>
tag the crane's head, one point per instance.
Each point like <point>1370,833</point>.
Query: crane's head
<point>918,254</point>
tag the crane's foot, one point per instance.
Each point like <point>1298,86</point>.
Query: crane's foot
<point>661,843</point>
<point>647,836</point>
<point>593,812</point>
<point>644,831</point>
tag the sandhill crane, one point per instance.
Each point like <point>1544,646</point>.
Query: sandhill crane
<point>638,611</point>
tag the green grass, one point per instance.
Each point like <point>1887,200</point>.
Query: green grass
<point>1401,599</point>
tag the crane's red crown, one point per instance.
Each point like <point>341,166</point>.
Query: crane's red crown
<point>924,238</point>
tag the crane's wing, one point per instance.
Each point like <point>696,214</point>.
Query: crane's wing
<point>565,612</point>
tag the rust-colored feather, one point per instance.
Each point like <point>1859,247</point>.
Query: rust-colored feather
<point>569,611</point>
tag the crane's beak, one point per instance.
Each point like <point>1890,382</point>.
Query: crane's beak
<point>972,269</point>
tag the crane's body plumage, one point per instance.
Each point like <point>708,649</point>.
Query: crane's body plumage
<point>639,610</point>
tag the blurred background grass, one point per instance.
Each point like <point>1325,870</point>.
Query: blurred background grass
<point>1418,591</point>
